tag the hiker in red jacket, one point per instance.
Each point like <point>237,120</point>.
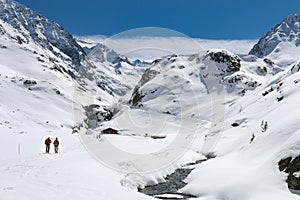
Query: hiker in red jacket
<point>47,143</point>
<point>56,143</point>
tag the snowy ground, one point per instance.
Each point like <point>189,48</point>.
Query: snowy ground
<point>29,113</point>
<point>250,171</point>
<point>72,174</point>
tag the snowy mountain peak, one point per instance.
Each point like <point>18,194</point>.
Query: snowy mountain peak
<point>102,53</point>
<point>287,31</point>
<point>203,72</point>
<point>43,32</point>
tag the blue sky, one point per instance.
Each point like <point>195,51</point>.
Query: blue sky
<point>208,19</point>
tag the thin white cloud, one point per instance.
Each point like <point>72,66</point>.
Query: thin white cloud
<point>149,48</point>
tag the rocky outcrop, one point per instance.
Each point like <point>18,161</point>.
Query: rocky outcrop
<point>291,166</point>
<point>96,114</point>
<point>137,94</point>
<point>29,82</point>
<point>233,62</point>
<point>295,68</point>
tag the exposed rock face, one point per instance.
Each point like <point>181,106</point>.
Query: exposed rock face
<point>42,31</point>
<point>262,71</point>
<point>292,168</point>
<point>228,70</point>
<point>137,95</point>
<point>287,31</point>
<point>295,68</point>
<point>96,114</point>
<point>233,62</point>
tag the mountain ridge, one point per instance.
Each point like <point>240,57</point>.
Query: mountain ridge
<point>286,31</point>
<point>42,31</point>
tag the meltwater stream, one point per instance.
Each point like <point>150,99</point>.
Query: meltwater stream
<point>174,182</point>
<point>169,189</point>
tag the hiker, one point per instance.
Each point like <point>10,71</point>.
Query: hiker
<point>56,143</point>
<point>47,143</point>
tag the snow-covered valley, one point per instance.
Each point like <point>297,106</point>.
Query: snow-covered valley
<point>125,123</point>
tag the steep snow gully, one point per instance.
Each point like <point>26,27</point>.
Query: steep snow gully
<point>209,124</point>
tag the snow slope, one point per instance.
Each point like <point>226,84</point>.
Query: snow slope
<point>38,90</point>
<point>248,155</point>
<point>249,170</point>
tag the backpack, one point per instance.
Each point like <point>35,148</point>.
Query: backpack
<point>47,141</point>
<point>56,143</point>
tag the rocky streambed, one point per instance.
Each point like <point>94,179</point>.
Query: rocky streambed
<point>169,189</point>
<point>174,182</point>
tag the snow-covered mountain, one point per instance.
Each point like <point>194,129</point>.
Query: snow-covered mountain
<point>176,111</point>
<point>32,26</point>
<point>101,53</point>
<point>202,72</point>
<point>32,29</point>
<point>198,72</point>
<point>112,72</point>
<point>44,79</point>
<point>280,41</point>
<point>250,153</point>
